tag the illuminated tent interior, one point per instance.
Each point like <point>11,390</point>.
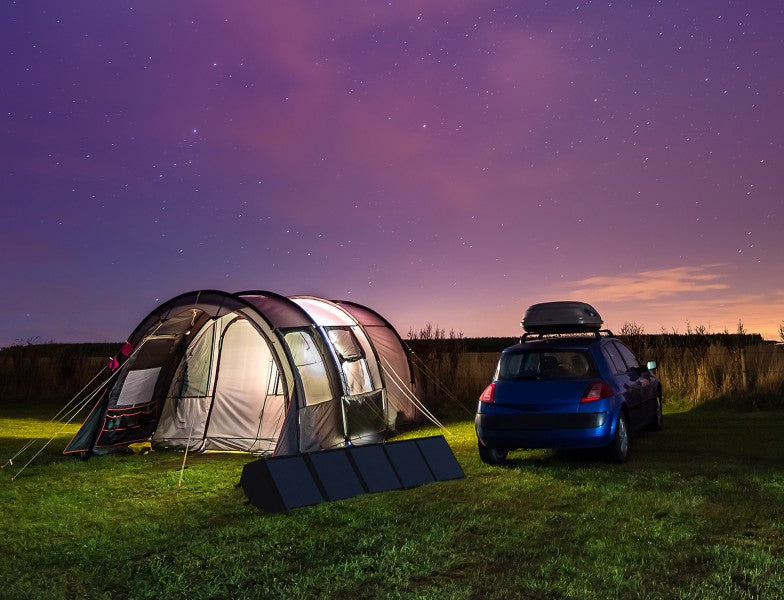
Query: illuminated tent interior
<point>255,372</point>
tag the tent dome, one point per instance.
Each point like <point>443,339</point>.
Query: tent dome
<point>253,371</point>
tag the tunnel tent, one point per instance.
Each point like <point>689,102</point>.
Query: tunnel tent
<point>255,372</point>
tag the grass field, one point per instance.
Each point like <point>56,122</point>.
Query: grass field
<point>698,512</point>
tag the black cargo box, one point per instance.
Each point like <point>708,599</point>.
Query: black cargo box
<point>561,317</point>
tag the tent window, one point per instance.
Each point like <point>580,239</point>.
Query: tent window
<point>357,377</point>
<point>310,365</point>
<point>138,387</point>
<point>346,344</point>
<point>370,358</point>
<point>352,361</point>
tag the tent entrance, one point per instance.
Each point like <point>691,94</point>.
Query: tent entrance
<point>226,394</point>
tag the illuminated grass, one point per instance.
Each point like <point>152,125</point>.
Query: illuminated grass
<point>698,512</point>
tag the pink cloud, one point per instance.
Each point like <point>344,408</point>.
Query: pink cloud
<point>670,298</point>
<point>649,285</point>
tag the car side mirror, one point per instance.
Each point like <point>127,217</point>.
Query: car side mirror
<point>651,365</point>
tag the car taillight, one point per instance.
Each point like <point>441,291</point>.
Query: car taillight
<point>597,391</point>
<point>487,395</point>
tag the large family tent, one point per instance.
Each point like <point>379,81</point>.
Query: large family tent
<point>256,372</point>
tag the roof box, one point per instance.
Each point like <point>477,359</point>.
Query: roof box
<point>561,317</point>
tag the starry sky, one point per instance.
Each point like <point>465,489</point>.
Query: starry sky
<point>445,162</point>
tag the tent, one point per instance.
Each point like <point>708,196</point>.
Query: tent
<point>253,371</point>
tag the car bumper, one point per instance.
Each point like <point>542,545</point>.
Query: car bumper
<point>545,430</point>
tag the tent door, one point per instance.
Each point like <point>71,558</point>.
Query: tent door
<point>248,406</point>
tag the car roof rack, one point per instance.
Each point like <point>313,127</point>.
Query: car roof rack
<point>565,334</point>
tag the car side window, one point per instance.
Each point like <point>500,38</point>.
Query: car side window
<point>627,355</point>
<point>614,359</point>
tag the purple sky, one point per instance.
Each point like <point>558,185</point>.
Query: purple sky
<point>448,162</point>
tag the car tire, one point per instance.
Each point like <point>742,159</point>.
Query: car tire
<point>492,456</point>
<point>618,450</point>
<point>658,421</point>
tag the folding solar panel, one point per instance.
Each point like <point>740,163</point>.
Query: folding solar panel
<point>374,468</point>
<point>280,484</point>
<point>409,464</point>
<point>336,474</point>
<point>439,458</point>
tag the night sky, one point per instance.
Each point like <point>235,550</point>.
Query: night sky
<point>449,162</point>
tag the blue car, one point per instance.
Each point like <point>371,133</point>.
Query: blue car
<point>567,391</point>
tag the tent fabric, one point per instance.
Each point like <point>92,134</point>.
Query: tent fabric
<point>323,312</point>
<point>281,312</point>
<point>253,371</point>
<point>396,368</point>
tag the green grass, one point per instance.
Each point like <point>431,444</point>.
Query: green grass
<point>698,512</point>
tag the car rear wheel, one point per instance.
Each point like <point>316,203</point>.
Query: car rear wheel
<point>492,456</point>
<point>618,450</point>
<point>658,421</point>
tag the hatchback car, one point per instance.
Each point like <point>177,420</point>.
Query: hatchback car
<point>567,391</point>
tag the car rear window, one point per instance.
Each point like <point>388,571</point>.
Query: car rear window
<point>546,364</point>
